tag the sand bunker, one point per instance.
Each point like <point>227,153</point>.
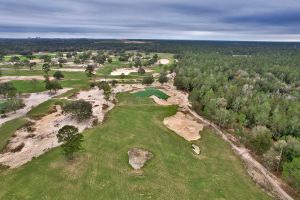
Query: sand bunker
<point>41,136</point>
<point>127,88</point>
<point>160,101</point>
<point>70,69</point>
<point>138,157</point>
<point>164,61</point>
<point>184,125</point>
<point>126,71</point>
<point>33,100</point>
<point>21,78</point>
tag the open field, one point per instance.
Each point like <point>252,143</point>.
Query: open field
<point>102,170</point>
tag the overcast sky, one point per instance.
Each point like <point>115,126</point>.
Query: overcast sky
<point>155,19</point>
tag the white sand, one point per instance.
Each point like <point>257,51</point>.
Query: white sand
<point>126,71</point>
<point>184,125</point>
<point>164,61</point>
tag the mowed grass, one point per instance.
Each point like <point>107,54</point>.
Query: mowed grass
<point>77,80</point>
<point>29,86</point>
<point>102,170</point>
<point>152,91</point>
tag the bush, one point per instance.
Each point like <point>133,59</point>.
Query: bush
<point>58,75</point>
<point>148,80</point>
<point>291,171</point>
<point>80,109</point>
<point>261,141</point>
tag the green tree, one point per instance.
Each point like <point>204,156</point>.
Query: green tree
<point>31,65</point>
<point>89,70</point>
<point>163,78</point>
<point>46,68</point>
<point>261,140</point>
<point>148,80</point>
<point>291,172</point>
<point>141,71</point>
<point>71,139</point>
<point>58,75</point>
<point>80,109</point>
<point>103,85</point>
<point>52,85</point>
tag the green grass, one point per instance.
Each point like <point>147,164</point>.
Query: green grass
<point>29,86</point>
<point>8,129</point>
<point>44,108</point>
<point>102,170</point>
<point>152,91</point>
<point>72,80</point>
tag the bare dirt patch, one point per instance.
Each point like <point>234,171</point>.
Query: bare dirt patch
<point>41,136</point>
<point>21,78</point>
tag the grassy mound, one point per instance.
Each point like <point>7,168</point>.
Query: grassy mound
<point>152,91</point>
<point>103,172</point>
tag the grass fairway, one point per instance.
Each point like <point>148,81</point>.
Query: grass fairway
<point>152,91</point>
<point>102,171</point>
<point>29,86</point>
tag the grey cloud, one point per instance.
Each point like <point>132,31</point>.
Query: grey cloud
<point>156,19</point>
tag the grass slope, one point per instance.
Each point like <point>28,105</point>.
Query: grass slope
<point>102,171</point>
<point>8,129</point>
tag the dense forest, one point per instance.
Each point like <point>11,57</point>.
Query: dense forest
<point>255,96</point>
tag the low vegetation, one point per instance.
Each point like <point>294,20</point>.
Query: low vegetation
<point>217,173</point>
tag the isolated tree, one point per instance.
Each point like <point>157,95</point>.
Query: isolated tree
<point>141,71</point>
<point>163,78</point>
<point>122,76</point>
<point>71,139</point>
<point>155,58</point>
<point>31,65</point>
<point>58,75</point>
<point>62,60</point>
<point>148,80</point>
<point>103,85</point>
<point>14,59</point>
<point>80,109</point>
<point>69,55</point>
<point>46,68</point>
<point>137,62</point>
<point>89,70</point>
<point>52,86</point>
<point>46,58</point>
<point>109,60</point>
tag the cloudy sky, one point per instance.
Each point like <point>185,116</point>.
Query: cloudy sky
<point>156,19</point>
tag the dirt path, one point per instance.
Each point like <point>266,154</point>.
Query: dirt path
<point>33,100</point>
<point>256,170</point>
